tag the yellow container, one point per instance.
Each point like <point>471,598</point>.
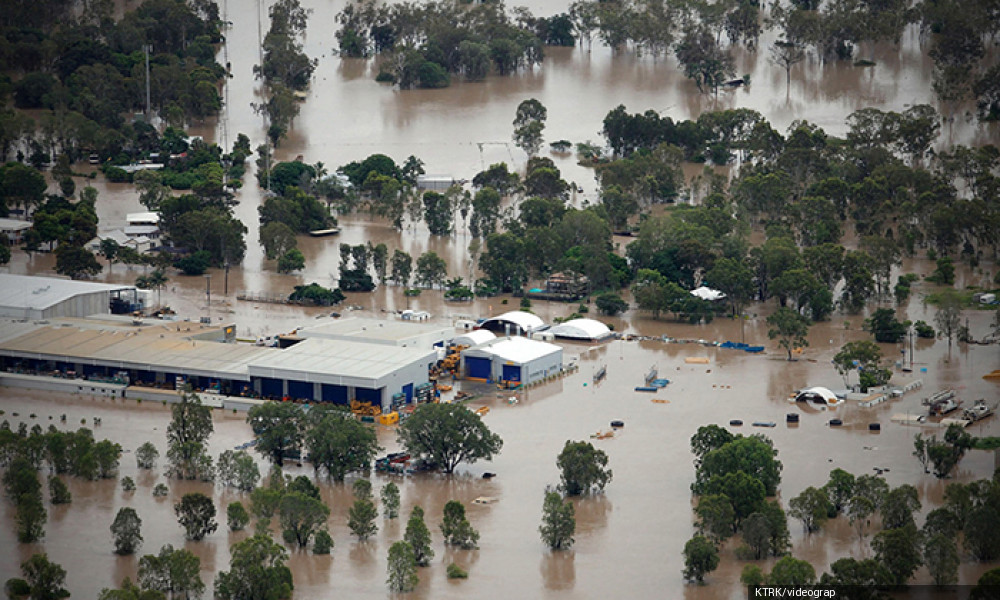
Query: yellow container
<point>389,418</point>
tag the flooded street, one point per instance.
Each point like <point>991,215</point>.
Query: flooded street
<point>629,539</point>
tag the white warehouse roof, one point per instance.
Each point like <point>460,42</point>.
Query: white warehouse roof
<point>474,338</point>
<point>338,362</point>
<point>524,320</point>
<point>142,217</point>
<point>518,350</point>
<point>39,293</point>
<point>581,329</point>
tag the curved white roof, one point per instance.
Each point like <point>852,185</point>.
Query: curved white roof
<point>524,320</point>
<point>817,393</point>
<point>581,329</point>
<point>474,338</point>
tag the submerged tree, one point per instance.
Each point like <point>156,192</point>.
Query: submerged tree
<point>456,528</point>
<point>402,568</point>
<point>126,531</point>
<point>558,522</point>
<point>187,435</point>
<point>529,122</point>
<point>583,468</point>
<point>419,537</point>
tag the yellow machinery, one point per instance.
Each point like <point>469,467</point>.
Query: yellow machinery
<point>365,409</point>
<point>391,418</point>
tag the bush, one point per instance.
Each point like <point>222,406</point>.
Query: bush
<point>322,543</point>
<point>160,490</point>
<point>457,572</point>
<point>128,484</point>
<point>196,264</point>
<point>16,587</point>
<point>611,304</point>
<point>116,174</point>
<point>924,330</point>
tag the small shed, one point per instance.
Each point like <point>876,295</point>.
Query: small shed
<point>435,183</point>
<point>587,330</point>
<point>515,322</point>
<point>512,360</point>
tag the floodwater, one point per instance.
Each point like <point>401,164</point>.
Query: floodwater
<point>629,539</point>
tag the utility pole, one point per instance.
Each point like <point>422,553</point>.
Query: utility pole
<point>147,49</point>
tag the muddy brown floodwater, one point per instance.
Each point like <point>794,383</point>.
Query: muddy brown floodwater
<point>628,540</point>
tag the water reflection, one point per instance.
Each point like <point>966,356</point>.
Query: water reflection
<point>558,570</point>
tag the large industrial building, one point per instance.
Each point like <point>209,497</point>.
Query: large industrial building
<point>170,354</point>
<point>26,297</point>
<point>512,360</point>
<point>403,334</point>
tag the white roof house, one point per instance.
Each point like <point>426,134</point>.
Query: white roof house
<point>517,321</point>
<point>474,338</point>
<point>581,329</point>
<point>14,228</point>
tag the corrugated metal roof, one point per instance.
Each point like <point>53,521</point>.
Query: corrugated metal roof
<point>376,329</point>
<point>337,359</point>
<point>23,291</point>
<point>516,349</point>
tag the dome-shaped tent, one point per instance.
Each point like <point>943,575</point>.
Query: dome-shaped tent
<point>582,329</point>
<point>474,338</point>
<point>818,395</point>
<point>517,322</point>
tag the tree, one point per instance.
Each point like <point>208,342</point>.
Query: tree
<point>708,438</point>
<point>899,550</point>
<point>790,571</point>
<point>237,469</point>
<point>45,578</point>
<point>898,507</point>
<point>30,517</point>
<point>236,516</point>
<point>431,269</point>
<point>361,518</point>
<point>529,122</point>
<point>401,267</point>
<point>402,567</point>
<point>986,586</point>
<point>941,558</point>
<point>109,250</point>
<point>757,534</point>
<point>340,444</point>
<point>293,260</point>
<point>278,427</point>
<point>187,434</point>
<point>419,537</point>
<point>839,488</point>
<point>885,327</point>
<point>700,558</point>
<point>257,572</point>
<point>703,60</point>
<point>390,500</point>
<point>949,315</point>
<point>583,468</point>
<point>146,455</point>
<point>58,492</point>
<point>786,55</point>
<point>611,304</point>
<point>322,543</point>
<point>130,591</point>
<point>812,507</point>
<point>125,530</point>
<point>716,517</point>
<point>558,522</point>
<point>277,239</point>
<point>196,514</point>
<point>790,327</point>
<point>447,435</point>
<point>456,528</point>
<point>505,261</point>
<point>944,455</point>
<point>865,357</point>
<point>753,456</point>
<point>301,515</point>
<point>76,262</point>
<point>979,542</point>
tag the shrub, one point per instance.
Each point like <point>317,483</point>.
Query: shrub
<point>457,572</point>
